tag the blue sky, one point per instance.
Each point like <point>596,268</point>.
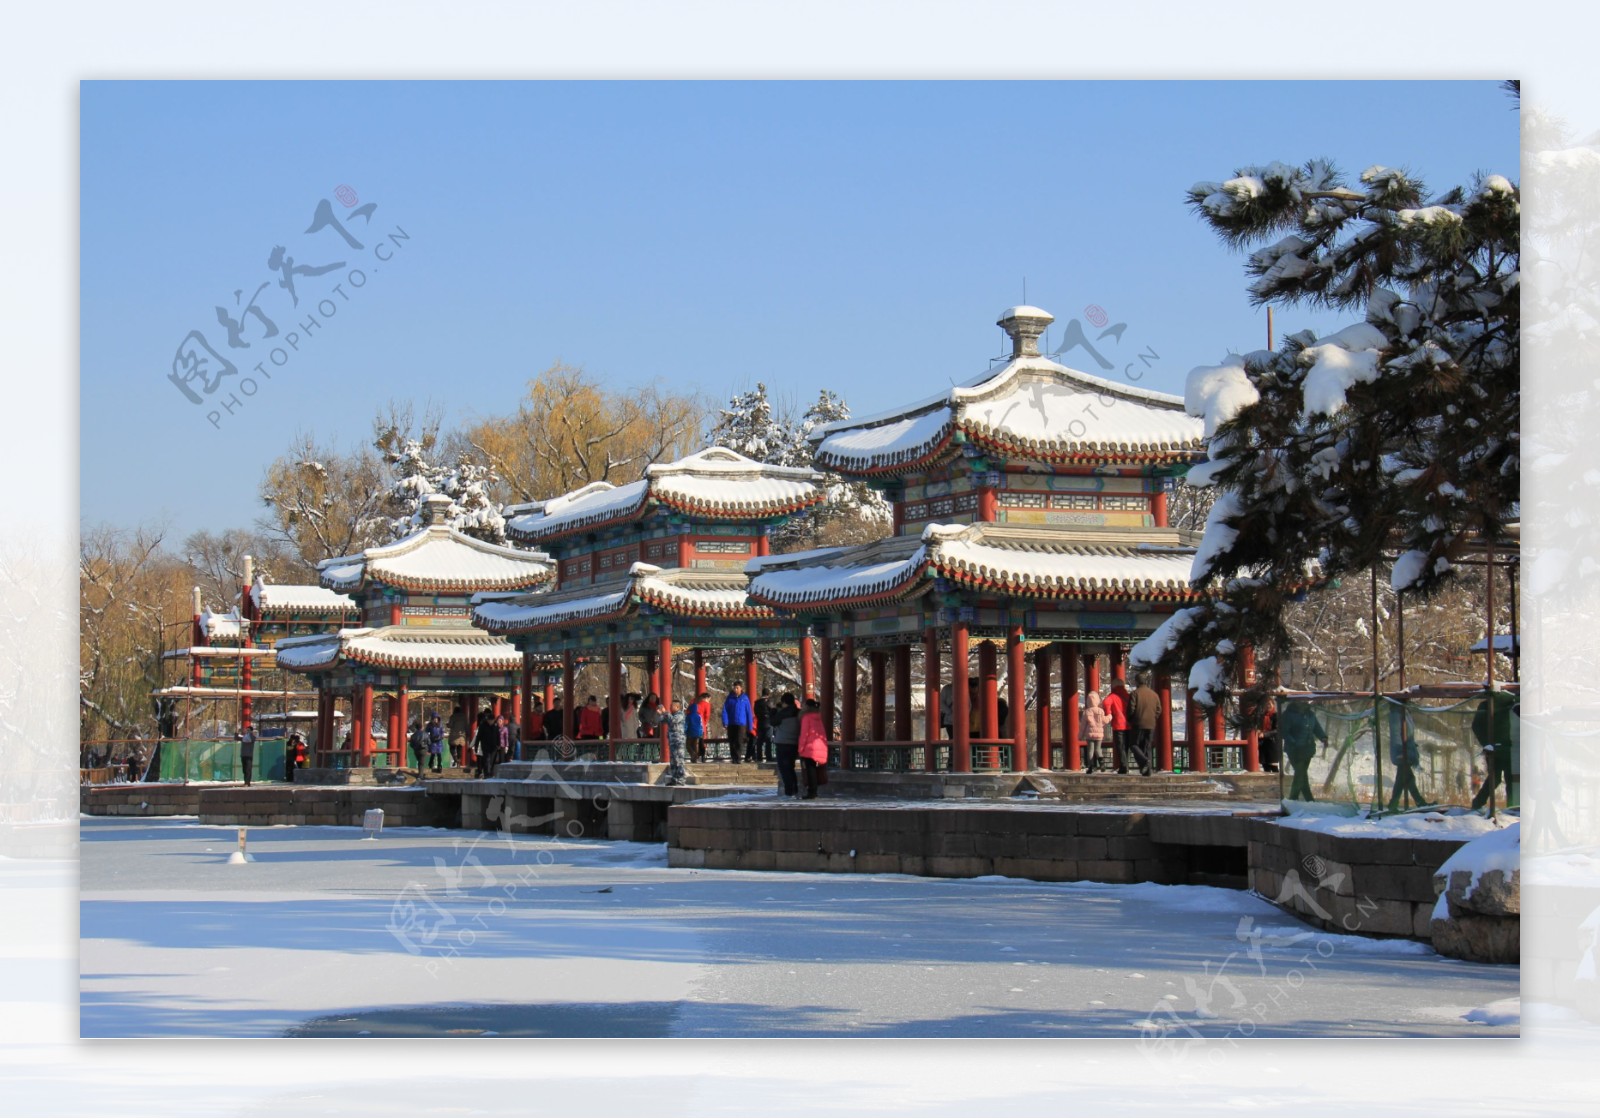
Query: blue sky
<point>856,236</point>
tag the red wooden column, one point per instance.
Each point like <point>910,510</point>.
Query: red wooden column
<point>988,505</point>
<point>363,744</point>
<point>1194,733</point>
<point>1252,734</point>
<point>961,717</point>
<point>402,719</point>
<point>498,706</point>
<point>392,721</point>
<point>902,693</point>
<point>549,692</point>
<point>1164,728</point>
<point>700,676</point>
<point>849,685</point>
<point>825,644</point>
<point>808,671</point>
<point>750,673</point>
<point>666,694</point>
<point>875,726</point>
<point>1216,726</point>
<point>246,705</point>
<point>516,706</point>
<point>1016,682</point>
<point>1158,505</point>
<point>614,687</point>
<point>1069,708</point>
<point>1091,673</point>
<point>324,728</point>
<point>1119,663</point>
<point>989,697</point>
<point>930,697</point>
<point>1041,708</point>
<point>568,670</point>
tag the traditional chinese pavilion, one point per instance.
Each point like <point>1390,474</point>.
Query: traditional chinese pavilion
<point>231,657</point>
<point>413,634</point>
<point>1030,513</point>
<point>652,568</point>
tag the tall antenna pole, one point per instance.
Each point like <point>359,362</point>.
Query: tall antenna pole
<point>1269,328</point>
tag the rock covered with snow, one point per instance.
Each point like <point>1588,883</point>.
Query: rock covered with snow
<point>1478,914</point>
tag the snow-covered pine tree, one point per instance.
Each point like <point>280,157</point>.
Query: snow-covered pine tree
<point>1398,431</point>
<point>748,426</point>
<point>854,512</point>
<point>416,476</point>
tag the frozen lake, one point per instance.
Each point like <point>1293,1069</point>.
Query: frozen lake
<point>429,932</point>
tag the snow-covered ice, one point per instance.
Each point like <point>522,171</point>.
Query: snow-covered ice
<point>439,932</point>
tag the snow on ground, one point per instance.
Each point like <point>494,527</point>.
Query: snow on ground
<point>1409,825</point>
<point>438,932</point>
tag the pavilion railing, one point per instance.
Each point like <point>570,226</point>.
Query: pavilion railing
<point>988,756</point>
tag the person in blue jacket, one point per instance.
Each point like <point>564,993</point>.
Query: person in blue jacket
<point>695,731</point>
<point>737,715</point>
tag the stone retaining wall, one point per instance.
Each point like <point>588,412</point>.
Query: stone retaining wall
<point>1350,884</point>
<point>288,804</point>
<point>142,799</point>
<point>1041,841</point>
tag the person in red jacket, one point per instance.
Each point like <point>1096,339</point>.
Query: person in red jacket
<point>589,723</point>
<point>1116,705</point>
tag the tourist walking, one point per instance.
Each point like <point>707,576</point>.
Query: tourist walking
<point>947,710</point>
<point>436,743</point>
<point>1116,705</point>
<point>651,716</point>
<point>590,725</point>
<point>694,732</point>
<point>1095,721</point>
<point>786,741</point>
<point>1493,732</point>
<point>247,751</point>
<point>553,719</point>
<point>813,748</point>
<point>677,731</point>
<point>737,715</point>
<point>485,742</point>
<point>1405,757</point>
<point>417,739</point>
<point>510,744</point>
<point>1144,715</point>
<point>1300,732</point>
<point>458,736</point>
<point>763,726</point>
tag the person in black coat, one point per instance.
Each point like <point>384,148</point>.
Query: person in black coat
<point>487,743</point>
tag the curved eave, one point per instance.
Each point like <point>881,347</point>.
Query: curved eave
<point>509,663</point>
<point>464,586</point>
<point>753,511</point>
<point>1080,452</point>
<point>511,629</point>
<point>820,602</point>
<point>904,462</point>
<point>681,609</point>
<point>573,528</point>
<point>999,582</point>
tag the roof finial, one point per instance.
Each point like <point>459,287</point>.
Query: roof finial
<point>1024,324</point>
<point>435,509</point>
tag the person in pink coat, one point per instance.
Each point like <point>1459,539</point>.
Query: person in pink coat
<point>813,747</point>
<point>1094,732</point>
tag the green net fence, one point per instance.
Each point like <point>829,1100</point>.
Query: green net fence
<point>1405,753</point>
<point>208,760</point>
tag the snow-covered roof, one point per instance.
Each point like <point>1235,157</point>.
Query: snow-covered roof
<point>1018,561</point>
<point>1031,409</point>
<point>298,598</point>
<point>453,649</point>
<point>680,592</point>
<point>712,483</point>
<point>438,558</point>
<point>221,627</point>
